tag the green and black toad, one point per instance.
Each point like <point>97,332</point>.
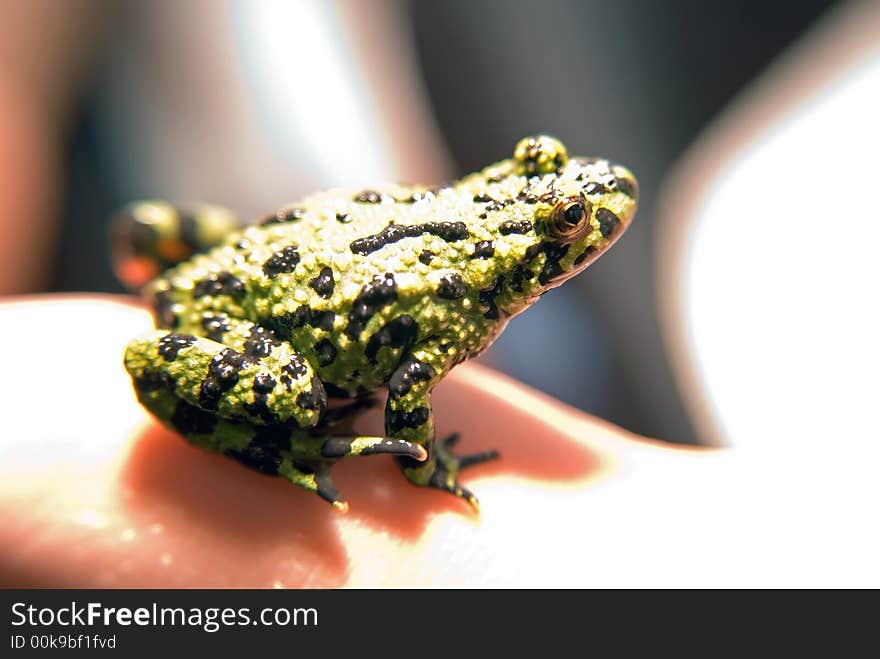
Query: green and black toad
<point>347,293</point>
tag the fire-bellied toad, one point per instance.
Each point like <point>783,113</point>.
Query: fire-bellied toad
<point>348,292</point>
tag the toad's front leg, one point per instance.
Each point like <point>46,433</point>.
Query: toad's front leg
<point>409,417</point>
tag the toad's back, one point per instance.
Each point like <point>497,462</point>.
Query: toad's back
<point>350,278</point>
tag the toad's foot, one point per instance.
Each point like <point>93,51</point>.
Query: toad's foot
<point>441,469</point>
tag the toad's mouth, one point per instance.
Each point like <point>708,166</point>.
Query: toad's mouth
<point>590,254</point>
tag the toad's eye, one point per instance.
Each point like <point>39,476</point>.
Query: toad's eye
<point>570,219</point>
<point>539,155</point>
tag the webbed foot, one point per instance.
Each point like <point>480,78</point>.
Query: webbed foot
<point>308,463</point>
<point>441,469</point>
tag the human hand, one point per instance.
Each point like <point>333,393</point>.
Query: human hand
<point>95,493</point>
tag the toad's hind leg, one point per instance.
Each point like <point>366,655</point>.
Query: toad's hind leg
<point>276,386</point>
<point>309,459</point>
<point>149,237</point>
<point>264,407</point>
<point>292,453</point>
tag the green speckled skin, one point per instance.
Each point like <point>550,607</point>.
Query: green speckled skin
<point>349,292</point>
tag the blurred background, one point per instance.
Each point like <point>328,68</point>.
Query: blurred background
<point>253,104</point>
